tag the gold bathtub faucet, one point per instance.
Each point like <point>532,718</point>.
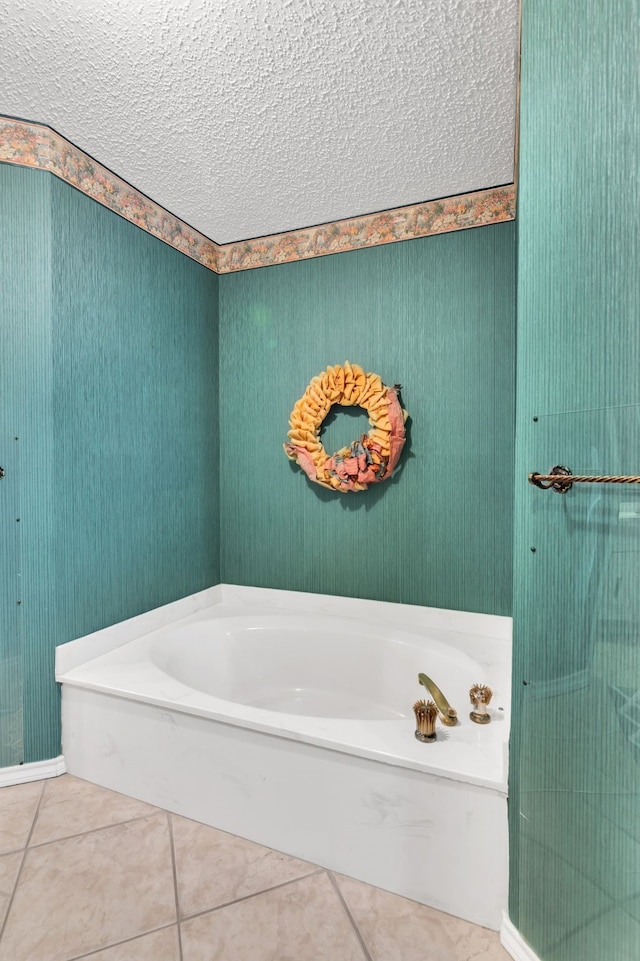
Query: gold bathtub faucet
<point>448,715</point>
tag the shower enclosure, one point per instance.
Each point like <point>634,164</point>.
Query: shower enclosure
<point>575,761</point>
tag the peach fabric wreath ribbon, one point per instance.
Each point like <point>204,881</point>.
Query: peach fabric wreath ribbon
<point>369,460</point>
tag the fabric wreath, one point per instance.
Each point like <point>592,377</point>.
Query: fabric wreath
<point>369,460</point>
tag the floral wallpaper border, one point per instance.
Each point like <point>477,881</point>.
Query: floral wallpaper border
<point>35,145</point>
<point>476,209</point>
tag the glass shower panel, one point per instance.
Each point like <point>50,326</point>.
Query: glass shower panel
<point>578,755</point>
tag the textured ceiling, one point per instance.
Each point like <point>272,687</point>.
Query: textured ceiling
<point>250,117</point>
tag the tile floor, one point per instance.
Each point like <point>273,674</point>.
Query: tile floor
<point>86,873</point>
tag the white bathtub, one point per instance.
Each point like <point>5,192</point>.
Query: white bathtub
<point>287,719</point>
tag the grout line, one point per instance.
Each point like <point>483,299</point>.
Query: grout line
<point>12,851</point>
<point>346,907</point>
<point>565,938</point>
<point>24,855</point>
<point>175,882</point>
<point>256,894</point>
<point>547,848</point>
<point>116,944</point>
<point>104,827</point>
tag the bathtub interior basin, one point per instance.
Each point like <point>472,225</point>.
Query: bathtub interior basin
<point>317,667</point>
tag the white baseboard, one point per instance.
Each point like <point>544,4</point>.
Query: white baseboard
<point>21,773</point>
<point>513,942</point>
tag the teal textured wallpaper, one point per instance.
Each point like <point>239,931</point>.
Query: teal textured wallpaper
<point>435,315</point>
<point>113,385</point>
<point>26,435</point>
<point>575,768</point>
<point>117,413</point>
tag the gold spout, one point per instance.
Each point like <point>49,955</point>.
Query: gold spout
<point>448,714</point>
